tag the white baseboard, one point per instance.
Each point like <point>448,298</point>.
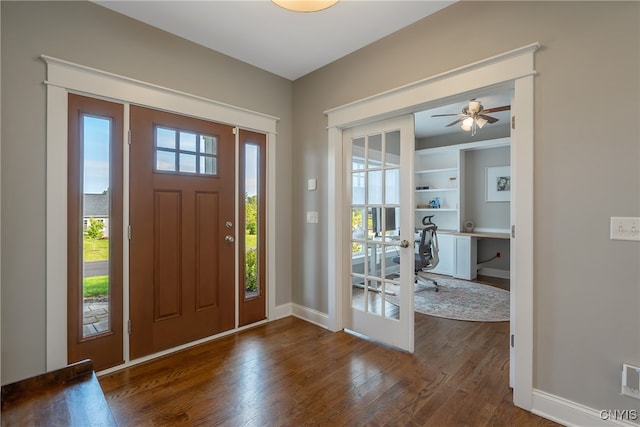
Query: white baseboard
<point>569,413</point>
<point>281,311</point>
<point>311,315</point>
<point>494,272</point>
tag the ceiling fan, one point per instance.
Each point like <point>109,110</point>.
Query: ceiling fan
<point>474,116</point>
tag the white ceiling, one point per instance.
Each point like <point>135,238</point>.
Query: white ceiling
<point>292,44</point>
<point>289,44</point>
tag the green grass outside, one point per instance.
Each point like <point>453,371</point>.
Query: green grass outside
<point>95,286</point>
<point>101,252</point>
<point>250,240</point>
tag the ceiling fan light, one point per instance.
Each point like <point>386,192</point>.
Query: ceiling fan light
<point>467,124</point>
<point>474,106</point>
<point>305,5</point>
<point>481,122</point>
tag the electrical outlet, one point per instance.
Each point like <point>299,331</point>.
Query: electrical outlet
<point>312,217</point>
<point>631,381</point>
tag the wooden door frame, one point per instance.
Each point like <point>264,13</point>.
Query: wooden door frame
<point>511,70</point>
<point>64,77</point>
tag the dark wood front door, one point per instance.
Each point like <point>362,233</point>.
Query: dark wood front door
<point>182,251</point>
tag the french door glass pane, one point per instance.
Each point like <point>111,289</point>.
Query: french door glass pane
<point>96,213</point>
<point>374,187</point>
<point>392,149</point>
<point>375,151</point>
<point>375,219</point>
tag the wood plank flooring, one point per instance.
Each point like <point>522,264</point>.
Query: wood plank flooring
<point>292,373</point>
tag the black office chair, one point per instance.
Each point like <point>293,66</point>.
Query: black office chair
<point>427,257</point>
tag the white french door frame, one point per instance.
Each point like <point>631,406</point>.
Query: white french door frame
<point>511,70</point>
<point>397,332</point>
<point>65,77</point>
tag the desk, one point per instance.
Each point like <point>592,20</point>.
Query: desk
<point>459,252</point>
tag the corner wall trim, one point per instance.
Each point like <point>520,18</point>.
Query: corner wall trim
<point>311,315</point>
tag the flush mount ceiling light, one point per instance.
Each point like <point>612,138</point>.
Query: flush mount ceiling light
<point>305,5</point>
<point>474,116</point>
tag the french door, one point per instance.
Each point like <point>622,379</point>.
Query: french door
<point>182,243</point>
<point>379,250</point>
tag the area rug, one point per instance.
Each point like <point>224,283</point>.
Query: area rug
<point>459,300</point>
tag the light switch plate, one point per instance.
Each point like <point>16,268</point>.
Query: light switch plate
<point>625,228</point>
<point>312,184</point>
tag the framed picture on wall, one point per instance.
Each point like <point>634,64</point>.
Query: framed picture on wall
<point>498,184</point>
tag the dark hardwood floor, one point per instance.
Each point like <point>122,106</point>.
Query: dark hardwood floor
<point>292,373</point>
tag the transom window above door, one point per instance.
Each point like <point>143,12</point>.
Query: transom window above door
<point>185,152</point>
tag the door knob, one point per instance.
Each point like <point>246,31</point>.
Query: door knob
<point>404,244</point>
<point>229,239</point>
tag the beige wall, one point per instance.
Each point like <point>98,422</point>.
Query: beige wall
<point>90,35</point>
<point>587,159</point>
<point>587,169</point>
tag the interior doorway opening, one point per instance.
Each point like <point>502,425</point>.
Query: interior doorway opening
<point>512,70</point>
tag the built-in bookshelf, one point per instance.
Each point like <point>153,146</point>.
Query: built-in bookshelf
<point>437,189</point>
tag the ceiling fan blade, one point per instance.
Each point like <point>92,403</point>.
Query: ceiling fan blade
<point>496,109</point>
<point>444,115</point>
<point>488,118</point>
<point>454,122</point>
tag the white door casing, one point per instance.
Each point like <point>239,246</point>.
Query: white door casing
<point>65,77</point>
<point>511,70</point>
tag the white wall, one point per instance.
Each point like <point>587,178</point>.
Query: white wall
<point>487,216</point>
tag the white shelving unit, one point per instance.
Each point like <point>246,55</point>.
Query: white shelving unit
<point>439,173</point>
<point>438,176</point>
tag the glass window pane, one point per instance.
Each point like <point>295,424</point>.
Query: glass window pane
<point>165,161</point>
<point>374,187</point>
<point>375,151</point>
<point>374,259</point>
<point>96,165</point>
<point>187,141</point>
<point>208,144</point>
<point>357,223</point>
<point>208,165</point>
<point>357,188</point>
<point>392,186</point>
<point>187,163</point>
<point>251,220</point>
<point>391,220</point>
<point>96,140</point>
<point>358,153</point>
<point>165,138</point>
<point>392,149</point>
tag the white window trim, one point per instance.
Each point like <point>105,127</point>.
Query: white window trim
<point>513,70</point>
<point>65,77</point>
